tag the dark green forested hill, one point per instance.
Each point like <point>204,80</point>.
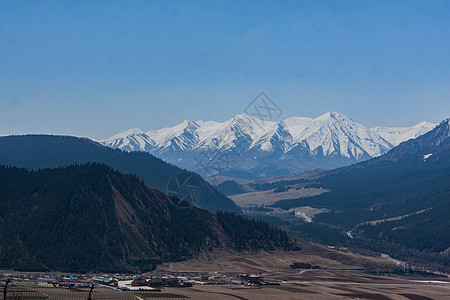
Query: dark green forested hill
<point>427,231</point>
<point>93,218</point>
<point>48,151</point>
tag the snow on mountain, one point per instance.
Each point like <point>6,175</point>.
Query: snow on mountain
<point>130,140</point>
<point>179,138</point>
<point>337,134</point>
<point>333,132</point>
<point>240,131</point>
<point>396,135</point>
<point>292,145</point>
<point>432,147</point>
<point>439,134</point>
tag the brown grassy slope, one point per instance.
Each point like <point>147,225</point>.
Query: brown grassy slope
<point>276,261</point>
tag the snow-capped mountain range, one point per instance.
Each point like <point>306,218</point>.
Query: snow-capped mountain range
<point>396,135</point>
<point>246,147</point>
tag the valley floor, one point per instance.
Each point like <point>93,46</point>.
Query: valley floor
<point>329,285</point>
<point>312,284</point>
<point>329,274</point>
<point>341,275</point>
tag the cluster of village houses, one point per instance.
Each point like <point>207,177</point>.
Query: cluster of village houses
<point>154,282</point>
<point>148,283</point>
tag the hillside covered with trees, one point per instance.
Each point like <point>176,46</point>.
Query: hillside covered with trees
<point>92,218</point>
<point>50,151</point>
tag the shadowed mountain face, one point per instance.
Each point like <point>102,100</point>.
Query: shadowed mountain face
<point>413,169</point>
<point>46,151</point>
<point>429,150</point>
<point>92,218</point>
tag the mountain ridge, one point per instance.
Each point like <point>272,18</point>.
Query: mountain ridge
<point>396,135</point>
<point>49,151</point>
<point>253,147</point>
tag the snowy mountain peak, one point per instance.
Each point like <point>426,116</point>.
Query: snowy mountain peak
<point>245,117</point>
<point>424,124</point>
<point>396,135</point>
<point>131,140</point>
<point>440,134</point>
<point>251,121</point>
<point>333,115</point>
<point>191,126</point>
<point>128,132</point>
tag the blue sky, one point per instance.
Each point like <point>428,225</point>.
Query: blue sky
<point>95,68</point>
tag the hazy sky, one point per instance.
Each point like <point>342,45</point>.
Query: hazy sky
<point>95,68</point>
